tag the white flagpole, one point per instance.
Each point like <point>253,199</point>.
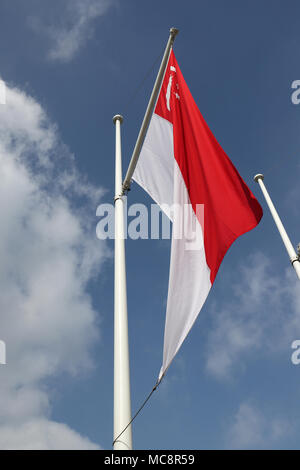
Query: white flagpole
<point>122,404</point>
<point>149,110</point>
<point>294,258</point>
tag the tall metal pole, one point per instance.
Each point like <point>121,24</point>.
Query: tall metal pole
<point>294,258</point>
<point>122,403</point>
<point>149,110</point>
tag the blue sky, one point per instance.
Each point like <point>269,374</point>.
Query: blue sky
<point>69,66</point>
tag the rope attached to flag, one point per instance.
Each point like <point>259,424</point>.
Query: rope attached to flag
<point>140,86</point>
<point>138,411</point>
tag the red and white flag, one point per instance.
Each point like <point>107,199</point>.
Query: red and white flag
<point>182,165</point>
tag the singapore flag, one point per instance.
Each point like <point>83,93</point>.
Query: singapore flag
<point>186,172</point>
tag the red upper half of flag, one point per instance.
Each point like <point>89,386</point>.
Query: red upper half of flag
<point>230,208</point>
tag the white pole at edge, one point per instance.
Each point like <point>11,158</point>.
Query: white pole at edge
<point>294,259</point>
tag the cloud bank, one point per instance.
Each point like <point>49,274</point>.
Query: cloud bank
<point>71,27</point>
<point>49,253</point>
<point>250,429</point>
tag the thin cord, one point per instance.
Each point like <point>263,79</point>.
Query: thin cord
<point>138,411</point>
<point>135,93</point>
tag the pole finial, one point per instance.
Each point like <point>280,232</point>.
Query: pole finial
<point>117,117</point>
<point>174,32</point>
<point>257,177</point>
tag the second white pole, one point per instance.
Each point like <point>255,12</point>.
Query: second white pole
<point>294,259</point>
<point>122,402</point>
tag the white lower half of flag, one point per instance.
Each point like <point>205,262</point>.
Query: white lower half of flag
<point>189,278</point>
<point>158,173</point>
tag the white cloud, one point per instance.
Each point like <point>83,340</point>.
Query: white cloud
<point>264,316</point>
<point>49,253</point>
<point>43,435</point>
<point>72,27</point>
<point>252,430</point>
